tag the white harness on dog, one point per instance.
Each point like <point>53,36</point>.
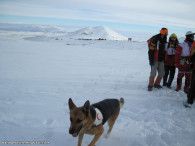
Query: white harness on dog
<point>99,117</point>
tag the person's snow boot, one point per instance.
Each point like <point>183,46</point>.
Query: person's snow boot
<point>150,88</point>
<point>158,86</point>
<point>187,105</point>
<point>157,83</point>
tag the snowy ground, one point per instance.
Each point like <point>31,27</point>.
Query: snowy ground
<point>39,74</point>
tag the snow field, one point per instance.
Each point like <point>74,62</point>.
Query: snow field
<point>37,77</point>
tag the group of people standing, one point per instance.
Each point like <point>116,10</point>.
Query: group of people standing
<point>165,57</point>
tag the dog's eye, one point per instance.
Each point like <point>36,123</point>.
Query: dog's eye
<point>79,121</point>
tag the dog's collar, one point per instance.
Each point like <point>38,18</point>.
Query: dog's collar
<point>98,117</point>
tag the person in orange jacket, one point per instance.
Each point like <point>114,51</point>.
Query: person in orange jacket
<point>170,60</point>
<point>191,92</point>
<point>182,61</point>
<point>156,55</point>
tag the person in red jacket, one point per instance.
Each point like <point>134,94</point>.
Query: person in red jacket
<point>191,92</point>
<point>156,56</point>
<point>182,61</point>
<point>170,60</point>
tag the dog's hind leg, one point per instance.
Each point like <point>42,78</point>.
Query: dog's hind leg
<point>111,121</point>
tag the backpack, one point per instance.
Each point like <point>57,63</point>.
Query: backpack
<point>151,45</point>
<point>148,41</point>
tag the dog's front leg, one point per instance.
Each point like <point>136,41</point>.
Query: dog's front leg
<point>98,131</point>
<point>80,138</point>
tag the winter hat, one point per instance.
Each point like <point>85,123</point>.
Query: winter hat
<point>173,35</point>
<point>163,31</point>
<point>190,36</point>
<point>189,33</point>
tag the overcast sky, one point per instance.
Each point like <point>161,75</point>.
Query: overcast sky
<point>151,13</point>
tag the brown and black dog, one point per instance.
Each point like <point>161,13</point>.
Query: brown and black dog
<point>89,119</point>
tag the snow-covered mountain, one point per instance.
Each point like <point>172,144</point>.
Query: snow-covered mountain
<point>31,28</point>
<point>99,32</point>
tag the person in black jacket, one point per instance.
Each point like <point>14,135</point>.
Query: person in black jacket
<point>191,92</point>
<point>156,56</point>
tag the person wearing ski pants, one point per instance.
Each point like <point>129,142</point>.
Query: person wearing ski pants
<point>170,60</point>
<point>156,55</point>
<point>191,92</point>
<point>182,61</point>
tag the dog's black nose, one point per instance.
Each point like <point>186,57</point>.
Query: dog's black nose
<point>71,131</point>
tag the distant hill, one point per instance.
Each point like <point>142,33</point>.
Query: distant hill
<point>99,32</point>
<point>31,28</point>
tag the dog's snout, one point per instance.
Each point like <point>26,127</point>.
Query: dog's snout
<point>71,130</point>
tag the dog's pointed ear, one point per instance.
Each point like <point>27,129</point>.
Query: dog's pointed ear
<point>86,108</point>
<point>71,104</point>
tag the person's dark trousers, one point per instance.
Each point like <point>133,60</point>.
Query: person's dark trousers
<point>171,75</point>
<point>166,75</point>
<point>169,70</point>
<point>191,92</point>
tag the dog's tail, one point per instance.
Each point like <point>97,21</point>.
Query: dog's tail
<point>122,102</point>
